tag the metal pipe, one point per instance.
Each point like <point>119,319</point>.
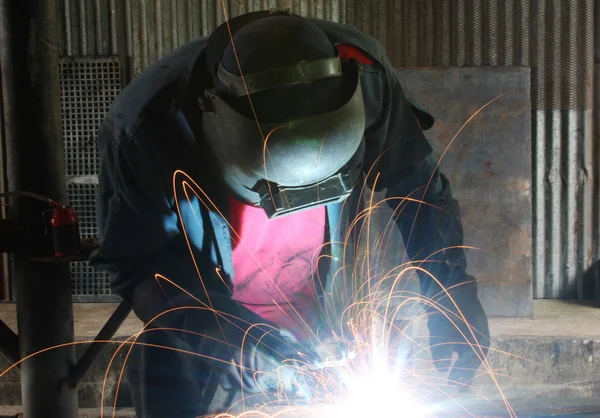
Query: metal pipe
<point>9,343</point>
<point>31,97</point>
<point>5,293</point>
<point>106,333</point>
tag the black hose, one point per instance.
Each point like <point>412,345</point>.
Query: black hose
<point>32,195</point>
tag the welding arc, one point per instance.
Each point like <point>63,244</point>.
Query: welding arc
<point>32,195</point>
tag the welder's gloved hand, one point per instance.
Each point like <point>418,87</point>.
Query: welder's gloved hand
<point>271,365</point>
<point>450,333</point>
<point>331,352</point>
<point>330,349</point>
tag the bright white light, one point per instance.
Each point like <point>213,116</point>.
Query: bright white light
<point>374,387</point>
<point>379,395</point>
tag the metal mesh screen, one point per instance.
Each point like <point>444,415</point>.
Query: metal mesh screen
<point>83,198</point>
<point>88,87</point>
<point>88,284</point>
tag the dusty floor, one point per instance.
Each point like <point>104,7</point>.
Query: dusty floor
<point>533,410</point>
<point>12,411</point>
<point>552,318</point>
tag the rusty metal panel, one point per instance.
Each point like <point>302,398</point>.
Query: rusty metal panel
<point>555,39</point>
<point>489,166</point>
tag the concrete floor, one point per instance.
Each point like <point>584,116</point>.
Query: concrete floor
<point>13,411</point>
<point>552,318</point>
<point>533,410</point>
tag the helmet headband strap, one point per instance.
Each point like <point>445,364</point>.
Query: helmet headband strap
<point>304,72</point>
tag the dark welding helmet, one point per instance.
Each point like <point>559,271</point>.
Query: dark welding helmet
<point>287,130</point>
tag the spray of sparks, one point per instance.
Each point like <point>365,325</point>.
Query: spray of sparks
<point>384,371</point>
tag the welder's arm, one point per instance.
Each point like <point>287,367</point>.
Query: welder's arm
<point>142,236</point>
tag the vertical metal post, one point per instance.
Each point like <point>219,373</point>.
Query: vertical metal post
<point>31,97</point>
<point>4,271</point>
<point>5,290</point>
<point>5,293</point>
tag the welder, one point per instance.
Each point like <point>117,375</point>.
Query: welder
<point>278,121</point>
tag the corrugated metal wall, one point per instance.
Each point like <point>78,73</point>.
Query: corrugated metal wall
<point>554,37</point>
<point>144,30</point>
<point>157,27</point>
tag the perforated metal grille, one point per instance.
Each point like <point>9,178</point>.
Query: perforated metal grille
<point>88,87</point>
<point>90,285</point>
<point>83,199</point>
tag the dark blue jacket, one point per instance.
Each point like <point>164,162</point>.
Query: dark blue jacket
<point>145,138</point>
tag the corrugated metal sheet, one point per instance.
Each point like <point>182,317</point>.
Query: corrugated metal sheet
<point>89,27</point>
<point>555,38</point>
<point>145,30</point>
<point>157,27</point>
<point>594,150</point>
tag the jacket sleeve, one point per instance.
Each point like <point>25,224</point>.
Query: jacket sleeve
<point>395,142</point>
<point>141,231</point>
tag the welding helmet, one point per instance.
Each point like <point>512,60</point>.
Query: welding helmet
<point>284,119</point>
